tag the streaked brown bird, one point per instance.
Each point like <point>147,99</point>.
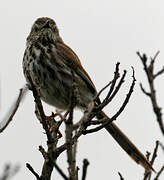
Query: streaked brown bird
<point>50,63</point>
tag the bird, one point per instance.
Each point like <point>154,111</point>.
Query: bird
<point>52,65</point>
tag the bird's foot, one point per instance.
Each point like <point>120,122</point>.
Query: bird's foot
<point>54,124</point>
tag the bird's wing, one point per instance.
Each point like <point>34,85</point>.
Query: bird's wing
<point>72,60</point>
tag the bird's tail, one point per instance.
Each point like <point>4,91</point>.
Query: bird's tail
<point>126,144</point>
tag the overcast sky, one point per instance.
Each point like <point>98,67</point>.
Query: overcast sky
<point>101,32</point>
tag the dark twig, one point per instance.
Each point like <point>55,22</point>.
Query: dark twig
<point>116,76</point>
<point>44,153</point>
<point>108,121</point>
<point>148,155</point>
<point>110,96</point>
<point>159,73</point>
<point>154,153</point>
<point>108,99</point>
<point>5,122</point>
<point>162,146</point>
<point>60,171</point>
<point>144,91</point>
<point>85,167</point>
<point>127,96</point>
<point>121,178</point>
<point>118,86</point>
<point>33,171</point>
<point>159,173</point>
<point>155,56</point>
<point>149,70</point>
<point>99,93</point>
<point>97,122</point>
<point>147,175</point>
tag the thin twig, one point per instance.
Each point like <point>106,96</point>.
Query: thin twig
<point>162,146</point>
<point>159,73</point>
<point>149,70</point>
<point>60,171</point>
<point>33,171</point>
<point>144,91</point>
<point>44,153</point>
<point>154,153</point>
<point>116,76</point>
<point>148,155</point>
<point>100,92</point>
<point>5,122</point>
<point>121,178</point>
<point>85,167</point>
<point>159,173</point>
<point>147,175</point>
<point>155,56</point>
<point>110,96</point>
<point>127,97</point>
<point>118,86</point>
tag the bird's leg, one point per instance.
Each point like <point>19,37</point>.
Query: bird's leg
<point>53,124</point>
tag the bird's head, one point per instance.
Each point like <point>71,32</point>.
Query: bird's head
<point>43,29</point>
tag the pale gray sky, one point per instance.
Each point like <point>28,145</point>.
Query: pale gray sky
<point>101,32</point>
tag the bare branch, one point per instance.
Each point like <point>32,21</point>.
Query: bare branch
<point>116,76</point>
<point>9,117</point>
<point>111,95</point>
<point>155,56</point>
<point>85,167</point>
<point>159,173</point>
<point>144,91</point>
<point>159,73</point>
<point>127,97</point>
<point>44,153</point>
<point>33,171</point>
<point>162,146</point>
<point>154,153</point>
<point>118,86</point>
<point>60,171</point>
<point>147,175</point>
<point>121,178</point>
<point>149,70</point>
<point>99,93</point>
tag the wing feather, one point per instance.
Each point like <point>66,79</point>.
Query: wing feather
<point>72,60</point>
